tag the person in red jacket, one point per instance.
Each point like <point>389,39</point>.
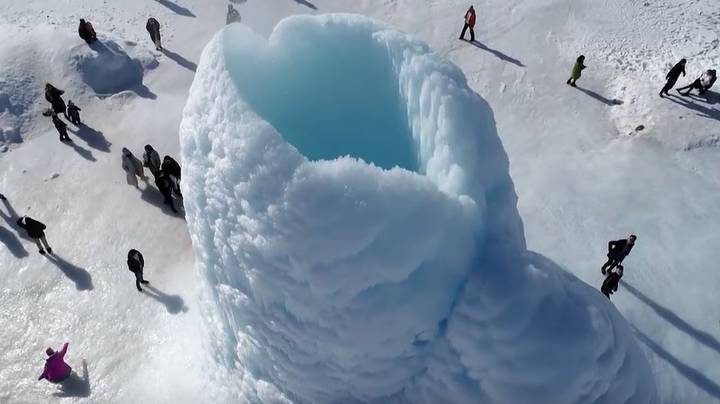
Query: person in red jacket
<point>469,23</point>
<point>56,370</point>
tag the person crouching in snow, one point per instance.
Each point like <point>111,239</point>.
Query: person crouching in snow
<point>73,113</point>
<point>577,70</point>
<point>702,83</point>
<point>133,167</point>
<point>56,370</point>
<point>469,23</point>
<point>610,285</point>
<point>36,231</point>
<point>61,127</point>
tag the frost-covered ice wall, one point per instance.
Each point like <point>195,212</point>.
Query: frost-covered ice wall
<point>336,280</point>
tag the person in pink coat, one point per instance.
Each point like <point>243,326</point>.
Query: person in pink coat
<point>56,370</point>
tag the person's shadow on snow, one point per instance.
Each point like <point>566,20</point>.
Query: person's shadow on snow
<point>83,152</point>
<point>497,53</point>
<point>606,101</point>
<point>81,277</point>
<point>75,386</point>
<point>176,8</point>
<point>12,243</point>
<point>153,196</point>
<point>11,218</point>
<point>703,111</point>
<point>99,83</point>
<point>179,59</point>
<point>92,137</point>
<point>173,303</point>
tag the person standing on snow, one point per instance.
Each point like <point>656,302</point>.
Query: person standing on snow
<point>232,15</point>
<point>610,284</point>
<point>136,264</point>
<point>133,167</point>
<point>617,251</point>
<point>172,169</point>
<point>36,231</point>
<point>153,28</point>
<point>73,112</point>
<point>2,197</point>
<point>61,127</point>
<point>56,370</point>
<point>87,32</point>
<point>577,70</point>
<point>151,160</point>
<point>672,77</point>
<point>54,96</point>
<point>165,185</point>
<point>702,83</point>
<point>469,23</point>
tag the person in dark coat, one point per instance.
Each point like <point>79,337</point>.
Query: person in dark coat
<point>469,24</point>
<point>61,128</point>
<point>617,251</point>
<point>172,169</point>
<point>151,160</point>
<point>73,112</point>
<point>672,76</point>
<point>153,28</point>
<point>2,197</point>
<point>702,83</point>
<point>610,285</point>
<point>87,32</point>
<point>136,264</point>
<point>54,96</point>
<point>232,15</point>
<point>165,185</point>
<point>36,231</point>
<point>577,70</point>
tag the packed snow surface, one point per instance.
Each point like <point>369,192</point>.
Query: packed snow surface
<point>338,278</point>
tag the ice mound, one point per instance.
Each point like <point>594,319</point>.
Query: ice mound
<point>338,280</point>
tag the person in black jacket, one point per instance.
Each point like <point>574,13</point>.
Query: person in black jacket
<point>172,169</point>
<point>36,231</point>
<point>87,32</point>
<point>702,84</point>
<point>136,263</point>
<point>153,28</point>
<point>61,128</point>
<point>73,112</point>
<point>54,96</point>
<point>617,251</point>
<point>165,185</point>
<point>610,285</point>
<point>672,76</point>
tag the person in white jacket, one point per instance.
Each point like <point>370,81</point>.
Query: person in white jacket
<point>702,84</point>
<point>133,167</point>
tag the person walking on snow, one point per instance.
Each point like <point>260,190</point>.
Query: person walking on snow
<point>54,96</point>
<point>617,251</point>
<point>87,32</point>
<point>577,70</point>
<point>136,264</point>
<point>610,284</point>
<point>61,127</point>
<point>702,83</point>
<point>165,185</point>
<point>172,169</point>
<point>153,28</point>
<point>73,113</point>
<point>133,167</point>
<point>469,23</point>
<point>36,231</point>
<point>56,370</point>
<point>672,77</point>
<point>151,160</point>
<point>232,15</point>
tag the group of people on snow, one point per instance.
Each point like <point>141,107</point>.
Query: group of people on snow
<point>167,174</point>
<point>71,112</point>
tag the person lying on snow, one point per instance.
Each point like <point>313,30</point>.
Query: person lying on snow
<point>702,83</point>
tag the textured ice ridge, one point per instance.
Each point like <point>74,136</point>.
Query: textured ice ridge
<point>337,278</point>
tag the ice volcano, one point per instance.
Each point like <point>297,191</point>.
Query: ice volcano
<point>338,278</point>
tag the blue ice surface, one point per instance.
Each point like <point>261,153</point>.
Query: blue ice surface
<point>330,96</point>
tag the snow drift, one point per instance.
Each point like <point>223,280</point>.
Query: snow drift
<point>338,278</point>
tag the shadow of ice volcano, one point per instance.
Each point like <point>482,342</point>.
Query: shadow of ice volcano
<point>340,281</point>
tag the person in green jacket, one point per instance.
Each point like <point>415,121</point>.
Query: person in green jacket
<point>577,70</point>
